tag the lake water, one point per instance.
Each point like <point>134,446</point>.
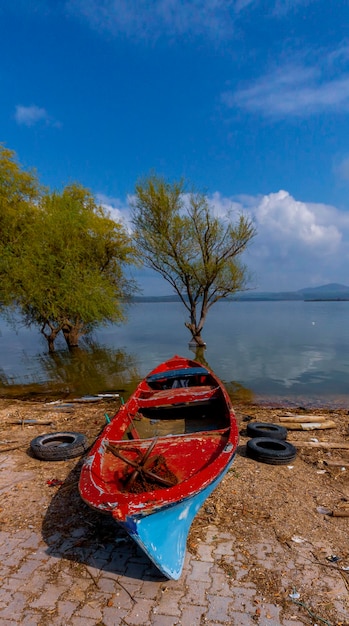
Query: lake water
<point>293,352</point>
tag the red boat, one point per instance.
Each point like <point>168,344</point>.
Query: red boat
<point>161,456</point>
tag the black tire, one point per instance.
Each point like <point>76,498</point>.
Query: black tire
<point>264,429</point>
<point>272,451</point>
<point>59,446</point>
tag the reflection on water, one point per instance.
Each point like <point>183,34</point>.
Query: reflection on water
<point>90,370</point>
<point>287,350</point>
<point>94,369</point>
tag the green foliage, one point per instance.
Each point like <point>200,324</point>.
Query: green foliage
<point>72,266</point>
<point>198,253</point>
<point>62,258</point>
<point>19,194</point>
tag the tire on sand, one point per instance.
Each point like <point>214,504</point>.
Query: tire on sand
<point>265,429</point>
<point>272,451</point>
<point>59,446</point>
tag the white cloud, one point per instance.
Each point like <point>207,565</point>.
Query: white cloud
<point>118,211</point>
<point>31,115</point>
<point>149,20</point>
<point>297,223</point>
<point>313,82</point>
<point>240,5</point>
<point>282,7</point>
<point>298,244</point>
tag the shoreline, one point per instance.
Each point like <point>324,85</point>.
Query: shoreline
<point>330,403</point>
<point>271,401</point>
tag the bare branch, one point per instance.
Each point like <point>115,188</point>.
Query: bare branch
<point>196,252</point>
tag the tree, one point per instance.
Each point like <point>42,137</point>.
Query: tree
<point>19,195</point>
<point>179,237</point>
<point>72,267</point>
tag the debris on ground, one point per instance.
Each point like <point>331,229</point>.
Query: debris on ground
<point>254,502</point>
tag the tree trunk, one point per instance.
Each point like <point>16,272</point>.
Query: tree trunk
<point>51,343</point>
<point>196,335</point>
<point>50,337</point>
<point>72,335</point>
<point>198,340</point>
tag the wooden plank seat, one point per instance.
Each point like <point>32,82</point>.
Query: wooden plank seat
<point>178,395</point>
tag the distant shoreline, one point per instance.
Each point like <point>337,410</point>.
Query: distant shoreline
<point>332,292</point>
<point>327,300</point>
<point>152,299</point>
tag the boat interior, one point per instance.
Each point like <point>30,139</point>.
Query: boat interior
<point>186,419</point>
<point>161,462</point>
<point>189,410</point>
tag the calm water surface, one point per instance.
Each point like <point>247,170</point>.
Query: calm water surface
<point>295,352</point>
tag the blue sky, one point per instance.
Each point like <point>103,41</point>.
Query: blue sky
<point>246,99</point>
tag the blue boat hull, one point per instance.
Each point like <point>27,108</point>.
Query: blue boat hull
<point>162,535</point>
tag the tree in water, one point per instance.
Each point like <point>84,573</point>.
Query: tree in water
<point>72,267</point>
<point>19,195</point>
<point>196,252</point>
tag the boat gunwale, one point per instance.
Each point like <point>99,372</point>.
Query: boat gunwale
<point>182,395</point>
<point>166,496</point>
<point>91,488</point>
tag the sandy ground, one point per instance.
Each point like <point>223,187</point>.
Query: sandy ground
<point>291,503</point>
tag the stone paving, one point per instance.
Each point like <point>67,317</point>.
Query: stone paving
<point>68,581</point>
<point>71,566</point>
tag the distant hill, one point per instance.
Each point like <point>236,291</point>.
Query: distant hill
<point>332,291</point>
